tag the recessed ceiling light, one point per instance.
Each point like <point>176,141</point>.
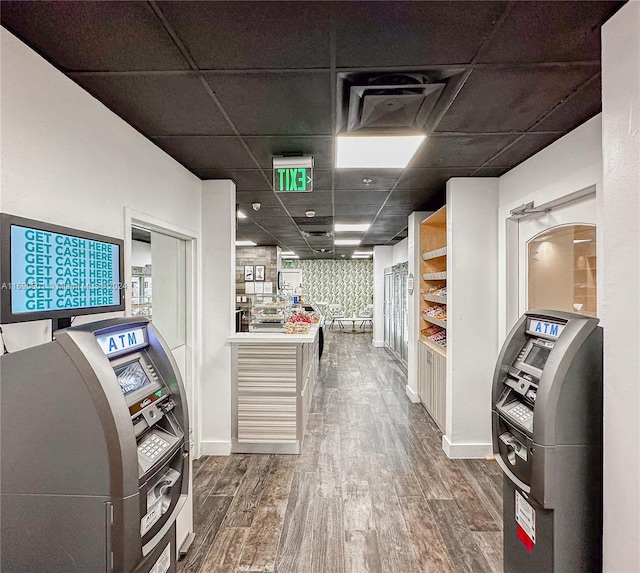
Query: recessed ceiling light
<point>345,227</point>
<point>285,253</point>
<point>359,256</point>
<point>366,253</point>
<point>240,215</point>
<point>245,244</point>
<point>381,152</point>
<point>290,257</point>
<point>367,181</point>
<point>347,242</point>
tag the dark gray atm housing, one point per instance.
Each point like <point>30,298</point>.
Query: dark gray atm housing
<point>94,454</point>
<point>547,438</point>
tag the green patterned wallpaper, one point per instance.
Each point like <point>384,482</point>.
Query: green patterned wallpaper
<point>349,283</point>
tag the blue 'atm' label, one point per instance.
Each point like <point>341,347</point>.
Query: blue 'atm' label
<point>116,342</point>
<point>551,329</point>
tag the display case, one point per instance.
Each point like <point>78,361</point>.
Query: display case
<point>269,312</point>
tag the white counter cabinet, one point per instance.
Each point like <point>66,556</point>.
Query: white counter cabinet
<point>273,376</point>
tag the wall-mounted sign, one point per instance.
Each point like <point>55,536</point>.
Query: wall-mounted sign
<point>293,174</point>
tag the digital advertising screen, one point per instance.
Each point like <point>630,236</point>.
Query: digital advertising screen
<point>53,271</point>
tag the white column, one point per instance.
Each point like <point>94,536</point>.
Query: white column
<point>619,305</point>
<point>218,303</point>
<point>472,314</point>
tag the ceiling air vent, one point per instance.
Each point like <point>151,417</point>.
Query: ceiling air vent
<point>389,102</point>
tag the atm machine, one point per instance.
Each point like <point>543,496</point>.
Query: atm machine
<point>94,452</point>
<point>547,439</point>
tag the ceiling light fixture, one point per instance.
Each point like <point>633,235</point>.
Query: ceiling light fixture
<point>367,181</point>
<point>346,227</point>
<point>347,242</point>
<point>290,257</point>
<point>359,256</point>
<point>310,213</point>
<point>285,253</point>
<point>378,152</point>
<point>367,253</point>
<point>256,206</point>
<point>245,244</point>
<point>240,215</point>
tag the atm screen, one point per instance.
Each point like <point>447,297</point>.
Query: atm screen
<point>537,356</point>
<point>131,377</point>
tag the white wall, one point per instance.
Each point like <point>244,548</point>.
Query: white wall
<point>68,160</point>
<point>620,307</point>
<point>401,251</point>
<point>569,165</point>
<point>140,254</point>
<point>382,258</point>
<point>218,303</point>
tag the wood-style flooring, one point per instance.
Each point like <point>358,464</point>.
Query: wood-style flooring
<point>371,491</point>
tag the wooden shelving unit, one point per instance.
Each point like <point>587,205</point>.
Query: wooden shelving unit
<point>433,272</point>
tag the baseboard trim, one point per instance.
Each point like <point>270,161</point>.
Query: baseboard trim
<point>466,451</point>
<point>413,396</point>
<point>215,448</point>
<point>378,343</point>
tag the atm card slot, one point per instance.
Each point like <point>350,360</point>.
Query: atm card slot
<point>519,385</point>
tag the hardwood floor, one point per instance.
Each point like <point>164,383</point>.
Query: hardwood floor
<point>371,491</point>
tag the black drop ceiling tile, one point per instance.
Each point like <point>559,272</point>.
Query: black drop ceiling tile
<point>94,36</point>
<point>394,223</point>
<point>415,199</point>
<point>246,180</point>
<point>529,145</point>
<point>362,210</point>
<point>411,33</point>
<point>575,110</point>
<point>510,99</point>
<point>395,211</point>
<point>241,35</point>
<point>207,152</point>
<point>158,104</point>
<point>264,148</point>
<point>322,180</point>
<point>549,32</point>
<point>314,199</point>
<point>271,216</point>
<point>296,103</point>
<point>356,198</point>
<point>491,171</point>
<point>322,210</point>
<point>246,198</point>
<point>381,179</point>
<point>459,150</point>
<point>431,178</point>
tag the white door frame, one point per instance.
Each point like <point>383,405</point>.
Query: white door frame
<point>192,294</point>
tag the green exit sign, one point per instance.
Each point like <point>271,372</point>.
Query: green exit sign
<point>293,179</point>
<point>293,174</point>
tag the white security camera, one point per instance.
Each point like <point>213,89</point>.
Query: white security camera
<point>256,206</point>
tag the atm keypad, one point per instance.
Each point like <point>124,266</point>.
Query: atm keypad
<point>521,413</point>
<point>153,446</point>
